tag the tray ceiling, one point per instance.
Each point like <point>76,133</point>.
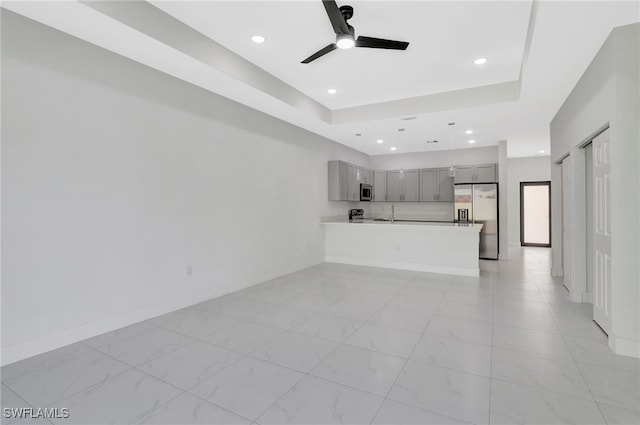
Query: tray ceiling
<point>536,52</point>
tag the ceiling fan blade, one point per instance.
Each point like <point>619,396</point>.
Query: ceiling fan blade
<point>335,16</point>
<point>330,48</point>
<point>381,43</point>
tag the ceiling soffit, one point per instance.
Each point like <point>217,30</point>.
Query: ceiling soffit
<point>155,23</point>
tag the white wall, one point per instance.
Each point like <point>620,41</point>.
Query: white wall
<point>503,201</point>
<point>609,93</point>
<point>523,170</point>
<point>115,177</point>
<point>439,211</point>
<point>482,155</point>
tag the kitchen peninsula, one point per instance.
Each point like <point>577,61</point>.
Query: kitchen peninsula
<point>450,248</point>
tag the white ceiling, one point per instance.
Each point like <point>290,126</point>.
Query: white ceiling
<point>445,38</point>
<point>536,52</point>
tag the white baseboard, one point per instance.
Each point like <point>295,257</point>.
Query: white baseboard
<point>557,272</point>
<point>589,297</point>
<point>624,346</point>
<point>579,297</point>
<point>39,345</point>
<point>35,346</point>
<point>406,266</point>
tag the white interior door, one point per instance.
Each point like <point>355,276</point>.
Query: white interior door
<point>566,222</point>
<point>590,226</point>
<point>602,231</point>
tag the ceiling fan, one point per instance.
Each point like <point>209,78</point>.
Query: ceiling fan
<point>345,33</point>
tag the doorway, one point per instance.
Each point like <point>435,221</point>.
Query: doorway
<point>535,213</point>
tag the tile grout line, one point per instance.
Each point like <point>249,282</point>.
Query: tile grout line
<point>386,397</point>
<point>563,336</point>
<point>308,373</point>
<point>341,344</point>
<point>493,310</point>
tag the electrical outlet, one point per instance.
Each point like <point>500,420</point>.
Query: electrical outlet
<point>188,270</point>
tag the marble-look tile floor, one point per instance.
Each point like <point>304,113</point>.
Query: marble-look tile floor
<point>351,345</point>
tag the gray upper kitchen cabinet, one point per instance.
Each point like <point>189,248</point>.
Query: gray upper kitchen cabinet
<point>444,185</point>
<point>464,174</point>
<point>353,184</point>
<point>486,173</point>
<point>436,185</point>
<point>481,173</point>
<point>337,188</point>
<point>411,189</point>
<point>394,186</point>
<point>403,186</point>
<point>380,186</point>
<point>366,176</point>
<point>428,189</point>
<point>343,181</point>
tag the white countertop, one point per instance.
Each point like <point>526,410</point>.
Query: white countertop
<point>470,227</point>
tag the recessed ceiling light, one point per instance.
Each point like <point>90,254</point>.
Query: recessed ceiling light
<point>332,91</point>
<point>480,61</point>
<point>380,141</point>
<point>401,129</point>
<point>469,132</point>
<point>258,39</point>
<point>472,141</point>
<point>358,134</point>
<point>393,148</point>
<point>541,151</point>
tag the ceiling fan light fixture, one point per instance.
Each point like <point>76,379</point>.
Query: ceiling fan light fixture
<point>345,41</point>
<point>258,39</point>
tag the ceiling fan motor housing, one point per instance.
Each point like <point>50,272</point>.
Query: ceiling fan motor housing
<point>347,12</point>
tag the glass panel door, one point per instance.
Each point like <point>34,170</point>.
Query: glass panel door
<point>535,212</point>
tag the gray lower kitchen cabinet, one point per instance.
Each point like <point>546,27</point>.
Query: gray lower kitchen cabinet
<point>380,186</point>
<point>403,186</point>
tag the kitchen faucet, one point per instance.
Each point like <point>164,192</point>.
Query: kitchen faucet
<point>393,213</point>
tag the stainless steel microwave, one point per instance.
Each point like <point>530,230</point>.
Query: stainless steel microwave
<point>366,191</point>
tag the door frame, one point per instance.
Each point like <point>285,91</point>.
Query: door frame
<point>522,186</point>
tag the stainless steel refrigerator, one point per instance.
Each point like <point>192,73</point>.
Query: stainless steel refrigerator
<point>478,203</point>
